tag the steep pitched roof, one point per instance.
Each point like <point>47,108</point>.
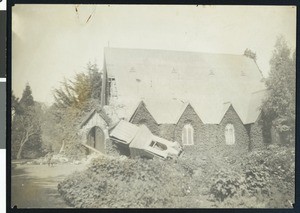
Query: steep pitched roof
<point>165,111</point>
<point>91,113</point>
<point>204,80</point>
<point>254,106</point>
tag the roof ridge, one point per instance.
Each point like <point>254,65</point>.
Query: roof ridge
<point>165,50</point>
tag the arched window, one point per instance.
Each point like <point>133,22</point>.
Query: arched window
<point>188,135</point>
<point>229,134</point>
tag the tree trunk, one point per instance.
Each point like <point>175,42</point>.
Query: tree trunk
<point>20,151</point>
<point>62,147</point>
<point>23,141</point>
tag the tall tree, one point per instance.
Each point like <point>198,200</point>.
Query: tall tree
<point>26,130</point>
<point>95,80</point>
<point>279,107</point>
<point>15,106</point>
<point>77,93</point>
<point>27,98</point>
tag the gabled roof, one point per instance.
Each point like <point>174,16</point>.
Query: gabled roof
<point>91,113</point>
<point>165,111</point>
<point>227,107</point>
<point>204,80</point>
<point>141,104</point>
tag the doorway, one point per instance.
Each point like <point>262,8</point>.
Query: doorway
<point>96,139</point>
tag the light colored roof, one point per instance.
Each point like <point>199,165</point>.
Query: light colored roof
<point>91,113</point>
<point>254,106</point>
<point>165,111</point>
<point>204,80</point>
<point>124,131</point>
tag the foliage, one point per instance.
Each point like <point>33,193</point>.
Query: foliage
<point>73,100</point>
<point>26,126</point>
<point>249,53</point>
<point>226,185</point>
<point>279,107</point>
<point>279,164</point>
<point>125,183</point>
<point>60,131</point>
<point>15,106</point>
<point>267,174</point>
<point>262,178</point>
<point>76,93</point>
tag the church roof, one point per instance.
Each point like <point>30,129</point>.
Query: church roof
<point>87,117</point>
<point>254,105</point>
<point>167,80</point>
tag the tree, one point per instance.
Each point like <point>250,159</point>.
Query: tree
<point>29,134</point>
<point>73,99</point>
<point>279,107</point>
<point>95,80</point>
<point>76,93</point>
<point>27,99</point>
<point>26,130</point>
<point>249,53</point>
<point>15,106</point>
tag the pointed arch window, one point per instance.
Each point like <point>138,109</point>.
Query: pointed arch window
<point>229,134</point>
<point>188,135</point>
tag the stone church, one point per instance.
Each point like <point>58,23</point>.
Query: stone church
<point>201,100</point>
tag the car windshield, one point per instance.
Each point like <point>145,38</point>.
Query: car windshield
<point>158,145</point>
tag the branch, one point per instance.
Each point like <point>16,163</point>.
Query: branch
<point>28,133</point>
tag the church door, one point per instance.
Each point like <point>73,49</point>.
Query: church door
<point>96,139</point>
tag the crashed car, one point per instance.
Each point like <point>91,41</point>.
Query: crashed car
<point>141,142</point>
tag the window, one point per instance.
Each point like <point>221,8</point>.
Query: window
<point>188,135</point>
<point>229,134</point>
<point>159,146</point>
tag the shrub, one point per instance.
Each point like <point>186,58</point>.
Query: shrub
<point>226,184</point>
<point>122,182</point>
<point>266,173</point>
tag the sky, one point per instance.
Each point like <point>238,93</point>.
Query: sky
<point>51,42</point>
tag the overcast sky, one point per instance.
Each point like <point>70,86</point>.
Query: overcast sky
<point>51,42</point>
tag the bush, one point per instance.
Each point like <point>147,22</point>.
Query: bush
<point>275,171</point>
<point>267,173</point>
<point>124,183</point>
<point>226,185</point>
<point>262,178</point>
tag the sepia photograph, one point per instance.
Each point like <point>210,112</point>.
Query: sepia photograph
<point>153,106</point>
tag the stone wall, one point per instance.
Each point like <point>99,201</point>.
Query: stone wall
<point>208,138</point>
<point>111,148</point>
<point>96,120</point>
<point>256,135</point>
<point>167,131</point>
<point>212,143</point>
<point>143,116</point>
<point>189,116</point>
<point>241,144</point>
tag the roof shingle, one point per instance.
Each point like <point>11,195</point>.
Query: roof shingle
<point>167,80</point>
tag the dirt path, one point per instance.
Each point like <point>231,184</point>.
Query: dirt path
<point>35,186</point>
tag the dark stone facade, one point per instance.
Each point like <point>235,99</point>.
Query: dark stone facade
<point>241,144</point>
<point>167,131</point>
<point>256,135</point>
<point>207,137</point>
<point>189,116</point>
<point>143,116</point>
